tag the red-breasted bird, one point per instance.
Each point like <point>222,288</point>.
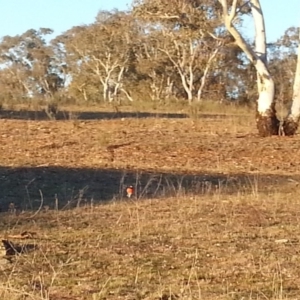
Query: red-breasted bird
<point>129,191</point>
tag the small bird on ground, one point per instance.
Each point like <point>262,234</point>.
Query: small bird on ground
<point>129,191</point>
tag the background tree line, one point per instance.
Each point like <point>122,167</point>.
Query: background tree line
<point>155,52</point>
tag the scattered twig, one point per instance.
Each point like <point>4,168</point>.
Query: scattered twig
<point>23,235</point>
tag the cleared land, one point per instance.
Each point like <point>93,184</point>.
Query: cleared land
<point>215,213</point>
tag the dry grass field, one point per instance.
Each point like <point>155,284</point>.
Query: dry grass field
<point>215,213</point>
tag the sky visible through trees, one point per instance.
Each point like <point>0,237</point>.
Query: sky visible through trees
<point>19,16</point>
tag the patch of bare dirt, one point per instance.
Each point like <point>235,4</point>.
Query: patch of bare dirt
<point>178,145</point>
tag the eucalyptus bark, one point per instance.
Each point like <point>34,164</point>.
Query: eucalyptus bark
<point>291,122</point>
<point>266,120</point>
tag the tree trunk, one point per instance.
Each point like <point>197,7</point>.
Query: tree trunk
<point>105,91</point>
<point>190,96</point>
<point>205,73</point>
<point>267,122</point>
<point>188,87</point>
<point>291,122</point>
<point>187,79</point>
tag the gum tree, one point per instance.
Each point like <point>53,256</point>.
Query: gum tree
<point>101,53</point>
<point>267,121</point>
<point>30,63</point>
<point>291,122</point>
<point>190,39</point>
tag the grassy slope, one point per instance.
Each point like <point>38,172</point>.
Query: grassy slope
<point>234,235</point>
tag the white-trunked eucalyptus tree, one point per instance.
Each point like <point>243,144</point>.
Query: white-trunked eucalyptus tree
<point>267,121</point>
<point>291,122</point>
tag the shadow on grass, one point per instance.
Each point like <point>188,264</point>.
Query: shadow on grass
<point>64,115</point>
<point>66,188</point>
